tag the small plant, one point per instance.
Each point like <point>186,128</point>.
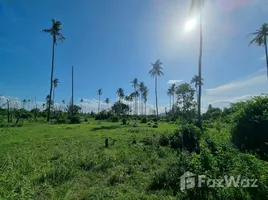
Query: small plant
<point>144,120</point>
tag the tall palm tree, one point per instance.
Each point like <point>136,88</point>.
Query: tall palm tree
<point>261,40</point>
<point>195,80</point>
<point>120,93</point>
<point>169,93</point>
<point>155,72</point>
<point>132,97</point>
<point>141,90</point>
<point>173,90</point>
<point>198,5</point>
<point>54,30</point>
<point>81,101</point>
<point>135,84</point>
<point>28,101</point>
<point>128,99</point>
<point>24,101</point>
<point>107,100</point>
<point>55,85</point>
<point>99,93</point>
<point>145,97</point>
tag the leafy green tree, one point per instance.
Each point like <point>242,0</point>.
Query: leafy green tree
<point>99,93</point>
<point>173,90</point>
<point>120,93</point>
<point>135,84</point>
<point>55,85</point>
<point>212,113</point>
<point>120,108</point>
<point>185,98</point>
<point>155,72</point>
<point>56,35</point>
<point>261,40</point>
<point>250,129</point>
<point>141,89</point>
<point>197,6</point>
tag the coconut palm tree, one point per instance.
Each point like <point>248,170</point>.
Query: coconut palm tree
<point>169,93</point>
<point>54,30</point>
<point>173,90</point>
<point>141,90</point>
<point>55,85</point>
<point>24,101</point>
<point>145,96</point>
<point>261,40</point>
<point>120,93</point>
<point>28,101</point>
<point>197,5</point>
<point>99,93</point>
<point>155,72</point>
<point>195,80</point>
<point>81,101</point>
<point>135,84</point>
<point>107,100</point>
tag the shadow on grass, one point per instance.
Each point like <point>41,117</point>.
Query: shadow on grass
<point>105,128</point>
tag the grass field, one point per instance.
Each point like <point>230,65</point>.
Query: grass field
<point>43,161</point>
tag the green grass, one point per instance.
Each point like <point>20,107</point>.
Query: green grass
<point>41,161</point>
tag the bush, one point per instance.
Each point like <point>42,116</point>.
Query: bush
<point>155,119</point>
<point>144,120</point>
<point>155,126</point>
<point>115,119</point>
<point>62,119</point>
<point>75,119</point>
<point>124,121</point>
<point>250,130</point>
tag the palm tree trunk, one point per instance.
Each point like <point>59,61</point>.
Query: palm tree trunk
<point>72,90</point>
<point>51,81</point>
<point>99,105</point>
<point>145,107</point>
<point>170,103</point>
<point>156,96</point>
<point>173,106</point>
<point>199,70</point>
<point>265,44</point>
<point>53,94</point>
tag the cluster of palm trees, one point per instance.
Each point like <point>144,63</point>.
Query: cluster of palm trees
<point>141,91</point>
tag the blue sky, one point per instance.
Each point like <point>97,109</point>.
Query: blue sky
<point>111,42</point>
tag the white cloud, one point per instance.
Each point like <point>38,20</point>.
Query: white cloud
<point>240,90</point>
<point>174,81</point>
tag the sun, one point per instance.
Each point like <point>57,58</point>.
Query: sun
<point>190,24</point>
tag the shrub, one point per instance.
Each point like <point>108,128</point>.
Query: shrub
<point>115,119</point>
<point>75,119</point>
<point>155,126</point>
<point>144,120</point>
<point>62,119</point>
<point>155,119</point>
<point>124,121</point>
<point>250,130</point>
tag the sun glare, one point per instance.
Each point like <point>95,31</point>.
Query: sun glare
<point>190,24</point>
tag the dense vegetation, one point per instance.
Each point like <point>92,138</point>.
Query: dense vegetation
<point>113,155</point>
